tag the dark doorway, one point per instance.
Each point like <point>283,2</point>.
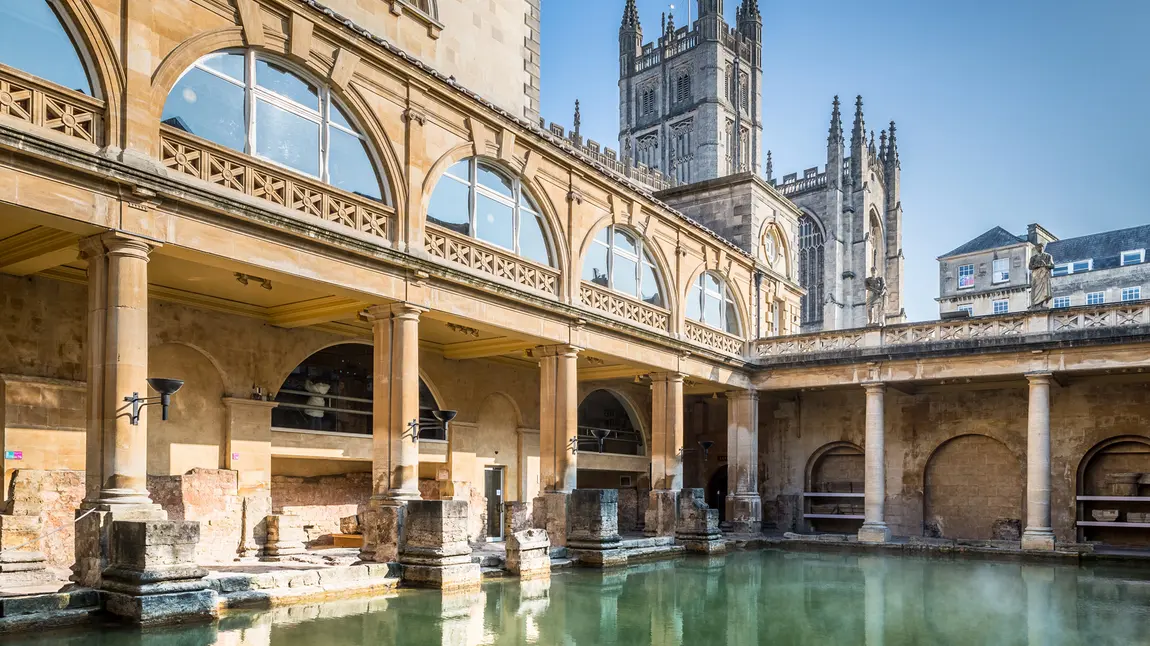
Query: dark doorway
<point>493,484</point>
<point>717,493</point>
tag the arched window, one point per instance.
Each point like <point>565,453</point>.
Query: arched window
<point>811,257</point>
<point>711,302</point>
<point>618,260</point>
<point>252,103</point>
<point>476,198</point>
<point>331,391</point>
<point>606,426</point>
<point>33,39</point>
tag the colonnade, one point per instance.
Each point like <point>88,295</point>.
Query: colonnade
<point>1038,533</point>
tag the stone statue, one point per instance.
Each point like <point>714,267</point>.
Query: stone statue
<point>876,298</point>
<point>1041,266</point>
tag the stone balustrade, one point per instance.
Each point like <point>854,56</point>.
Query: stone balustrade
<point>1052,324</point>
<point>25,98</point>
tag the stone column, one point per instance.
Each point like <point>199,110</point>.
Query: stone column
<point>1038,534</point>
<point>666,453</point>
<point>395,403</point>
<point>249,453</point>
<point>744,505</point>
<point>558,429</point>
<point>874,529</point>
<point>117,451</point>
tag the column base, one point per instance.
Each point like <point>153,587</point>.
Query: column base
<point>383,530</point>
<point>744,514</point>
<point>662,513</point>
<point>549,513</point>
<point>1038,540</point>
<point>94,536</point>
<point>874,533</point>
<point>435,553</point>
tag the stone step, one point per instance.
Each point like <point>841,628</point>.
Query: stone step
<point>492,572</point>
<point>653,552</point>
<point>646,542</point>
<point>53,602</point>
<point>561,563</point>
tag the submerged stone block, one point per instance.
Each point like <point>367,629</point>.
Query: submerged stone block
<point>698,525</point>
<point>434,551</point>
<point>528,554</point>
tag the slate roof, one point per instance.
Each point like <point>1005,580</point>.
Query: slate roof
<point>993,239</point>
<point>1105,248</point>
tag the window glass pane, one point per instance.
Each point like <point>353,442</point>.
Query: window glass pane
<point>651,286</point>
<point>731,323</point>
<point>287,138</point>
<point>494,181</point>
<point>286,84</point>
<point>226,63</point>
<point>711,310</point>
<point>337,117</point>
<point>450,207</point>
<point>604,235</point>
<point>712,284</point>
<point>32,39</point>
<point>625,278</point>
<point>493,222</point>
<point>595,265</point>
<point>625,242</point>
<point>208,107</point>
<point>694,306</point>
<point>525,201</point>
<point>349,166</point>
<point>461,170</point>
<point>532,243</point>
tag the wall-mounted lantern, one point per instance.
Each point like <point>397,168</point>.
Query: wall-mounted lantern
<point>415,428</point>
<point>166,388</point>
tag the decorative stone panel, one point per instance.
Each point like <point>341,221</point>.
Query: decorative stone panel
<point>474,255</point>
<point>623,307</point>
<point>714,339</point>
<point>28,99</point>
<point>190,155</point>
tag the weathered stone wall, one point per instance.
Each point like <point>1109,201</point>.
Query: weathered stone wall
<point>973,486</point>
<point>321,501</point>
<point>54,496</point>
<point>211,497</point>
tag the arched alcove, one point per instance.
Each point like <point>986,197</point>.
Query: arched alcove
<point>607,425</point>
<point>833,495</point>
<point>973,488</point>
<point>1114,476</point>
<point>193,436</point>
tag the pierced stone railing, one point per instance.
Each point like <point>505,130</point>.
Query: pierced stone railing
<point>713,338</point>
<point>193,156</point>
<point>473,254</point>
<point>29,99</point>
<point>803,185</point>
<point>623,307</point>
<point>1038,324</point>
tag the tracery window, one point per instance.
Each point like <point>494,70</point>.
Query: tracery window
<point>476,198</point>
<point>252,103</point>
<point>619,260</point>
<point>811,258</point>
<point>683,88</point>
<point>711,302</point>
<point>33,39</point>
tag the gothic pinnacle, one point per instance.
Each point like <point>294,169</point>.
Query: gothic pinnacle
<point>578,121</point>
<point>770,166</point>
<point>836,133</point>
<point>671,23</point>
<point>630,15</point>
<point>882,145</point>
<point>749,9</point>
<point>858,135</point>
<point>892,147</point>
<point>870,144</point>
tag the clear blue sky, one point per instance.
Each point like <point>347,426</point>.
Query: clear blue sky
<point>1009,111</point>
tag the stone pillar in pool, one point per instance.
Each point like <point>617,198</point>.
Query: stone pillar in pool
<point>117,366</point>
<point>744,505</point>
<point>666,453</point>
<point>435,552</point>
<point>152,577</point>
<point>874,529</point>
<point>593,527</point>
<point>558,430</point>
<point>395,404</point>
<point>1038,534</point>
<point>698,526</point>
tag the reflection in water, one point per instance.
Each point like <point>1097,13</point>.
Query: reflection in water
<point>740,599</point>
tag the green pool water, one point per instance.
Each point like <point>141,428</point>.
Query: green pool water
<point>745,598</point>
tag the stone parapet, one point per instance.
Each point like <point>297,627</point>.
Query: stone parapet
<point>528,554</point>
<point>434,551</point>
<point>153,577</point>
<point>698,526</point>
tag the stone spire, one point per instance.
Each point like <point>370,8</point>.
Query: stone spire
<point>630,16</point>
<point>892,148</point>
<point>749,10</point>
<point>770,167</point>
<point>671,23</point>
<point>870,144</point>
<point>858,135</point>
<point>882,145</point>
<point>579,121</point>
<point>836,132</point>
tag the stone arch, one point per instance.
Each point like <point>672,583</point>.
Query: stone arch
<point>315,67</point>
<point>746,318</point>
<point>497,441</point>
<point>555,231</point>
<point>973,487</point>
<point>811,258</point>
<point>295,361</point>
<point>845,454</point>
<point>663,269</point>
<point>635,419</point>
<point>1095,476</point>
<point>784,252</point>
<point>194,435</point>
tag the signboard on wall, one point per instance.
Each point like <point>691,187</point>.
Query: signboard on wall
<point>13,455</point>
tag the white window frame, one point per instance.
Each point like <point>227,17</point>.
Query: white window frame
<point>515,202</point>
<point>1000,276</point>
<point>1061,302</point>
<point>1132,293</point>
<point>1141,257</point>
<point>321,117</point>
<point>967,307</point>
<point>960,273</point>
<point>725,299</point>
<point>1068,268</point>
<point>1005,306</point>
<point>1096,298</point>
<point>640,260</point>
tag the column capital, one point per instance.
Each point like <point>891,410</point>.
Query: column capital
<point>1041,377</point>
<point>739,395</point>
<point>874,386</point>
<point>401,310</point>
<point>667,376</point>
<point>117,243</point>
<point>560,350</point>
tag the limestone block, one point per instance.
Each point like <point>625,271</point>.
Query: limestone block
<point>23,568</point>
<point>516,517</point>
<point>285,537</point>
<point>744,514</point>
<point>349,525</point>
<point>20,532</point>
<point>93,539</point>
<point>434,551</point>
<point>529,554</point>
<point>153,577</point>
<point>549,512</point>
<point>593,518</point>
<point>662,510</point>
<point>698,526</point>
<point>382,526</point>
